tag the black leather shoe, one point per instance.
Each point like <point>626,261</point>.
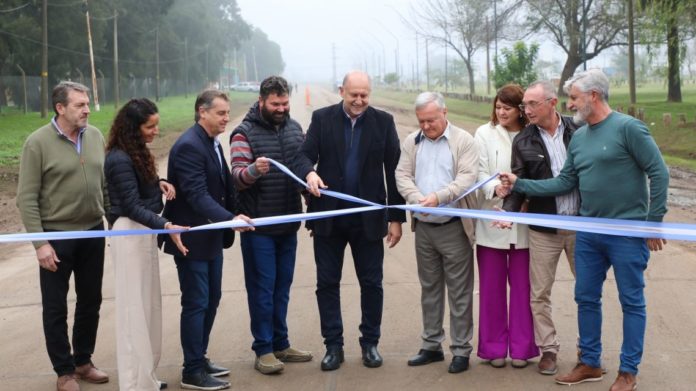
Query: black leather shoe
<point>162,384</point>
<point>215,370</point>
<point>332,359</point>
<point>459,364</point>
<point>426,357</point>
<point>202,381</point>
<point>371,357</point>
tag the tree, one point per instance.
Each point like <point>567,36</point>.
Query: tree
<point>674,18</point>
<point>458,24</point>
<point>516,65</point>
<point>605,23</point>
<point>391,78</point>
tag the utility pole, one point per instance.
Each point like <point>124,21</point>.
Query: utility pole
<point>495,26</point>
<point>256,68</point>
<point>631,55</point>
<point>333,64</point>
<point>488,58</point>
<point>427,66</point>
<point>44,60</point>
<point>157,62</point>
<point>186,68</point>
<point>417,70</point>
<point>446,76</point>
<point>95,92</point>
<point>116,87</point>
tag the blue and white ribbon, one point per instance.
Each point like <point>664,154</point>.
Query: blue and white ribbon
<point>643,229</point>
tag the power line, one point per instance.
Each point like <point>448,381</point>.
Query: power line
<point>76,3</point>
<point>14,9</point>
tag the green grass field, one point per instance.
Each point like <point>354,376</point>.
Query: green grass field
<point>677,142</point>
<point>176,114</point>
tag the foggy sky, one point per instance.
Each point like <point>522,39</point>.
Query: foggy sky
<point>363,32</point>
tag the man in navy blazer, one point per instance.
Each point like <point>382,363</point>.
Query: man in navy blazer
<point>205,194</point>
<point>356,147</point>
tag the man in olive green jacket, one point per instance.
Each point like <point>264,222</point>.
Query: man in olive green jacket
<point>62,188</point>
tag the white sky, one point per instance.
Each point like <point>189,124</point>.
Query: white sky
<point>362,31</point>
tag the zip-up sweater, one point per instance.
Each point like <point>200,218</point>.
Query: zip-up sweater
<point>60,189</point>
<point>611,162</point>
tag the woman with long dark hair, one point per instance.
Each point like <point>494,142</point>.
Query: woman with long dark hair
<point>502,254</point>
<point>135,192</point>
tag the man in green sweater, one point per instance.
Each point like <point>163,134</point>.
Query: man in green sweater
<point>610,161</point>
<point>62,188</point>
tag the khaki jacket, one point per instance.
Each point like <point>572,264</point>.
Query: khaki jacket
<point>465,157</point>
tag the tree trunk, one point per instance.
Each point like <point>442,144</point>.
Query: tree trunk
<point>571,64</point>
<point>673,67</point>
<point>470,71</point>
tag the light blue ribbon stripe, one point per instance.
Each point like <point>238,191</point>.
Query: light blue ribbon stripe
<point>643,229</point>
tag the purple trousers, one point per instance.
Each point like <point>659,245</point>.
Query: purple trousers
<point>500,334</point>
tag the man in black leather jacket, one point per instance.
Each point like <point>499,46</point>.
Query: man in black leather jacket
<point>539,152</point>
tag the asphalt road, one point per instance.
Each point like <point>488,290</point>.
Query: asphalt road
<point>669,361</point>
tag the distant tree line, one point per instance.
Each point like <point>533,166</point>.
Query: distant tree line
<point>198,40</point>
<point>582,29</point>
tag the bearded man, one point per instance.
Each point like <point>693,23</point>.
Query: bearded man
<point>268,252</point>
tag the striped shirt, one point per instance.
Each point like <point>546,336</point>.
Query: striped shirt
<point>244,173</point>
<point>567,204</point>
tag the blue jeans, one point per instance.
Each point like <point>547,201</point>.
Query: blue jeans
<point>200,282</point>
<point>594,254</point>
<point>269,265</point>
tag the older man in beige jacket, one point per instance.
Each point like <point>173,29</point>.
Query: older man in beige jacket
<point>438,163</point>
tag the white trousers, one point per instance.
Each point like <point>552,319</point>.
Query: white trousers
<point>138,307</point>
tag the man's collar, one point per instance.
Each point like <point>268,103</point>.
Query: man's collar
<point>54,121</point>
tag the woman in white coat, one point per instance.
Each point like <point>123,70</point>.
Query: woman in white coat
<point>502,254</point>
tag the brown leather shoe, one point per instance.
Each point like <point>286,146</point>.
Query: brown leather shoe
<point>91,374</point>
<point>624,382</point>
<point>580,374</point>
<point>547,364</point>
<point>67,383</point>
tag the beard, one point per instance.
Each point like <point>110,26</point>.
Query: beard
<point>581,114</point>
<point>273,118</point>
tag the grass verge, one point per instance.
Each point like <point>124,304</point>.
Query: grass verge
<point>176,114</point>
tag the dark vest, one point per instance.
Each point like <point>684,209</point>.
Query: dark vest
<point>275,193</point>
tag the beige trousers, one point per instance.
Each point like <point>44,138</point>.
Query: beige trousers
<point>138,308</point>
<point>544,251</point>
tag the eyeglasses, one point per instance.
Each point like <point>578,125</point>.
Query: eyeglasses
<point>533,104</point>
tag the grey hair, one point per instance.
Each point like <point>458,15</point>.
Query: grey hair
<point>590,80</point>
<point>425,98</point>
<point>547,86</point>
<point>62,90</point>
<point>205,100</point>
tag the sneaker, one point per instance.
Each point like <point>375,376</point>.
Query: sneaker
<point>67,383</point>
<point>202,381</point>
<point>547,364</point>
<point>268,364</point>
<point>293,355</point>
<point>516,363</point>
<point>91,374</point>
<point>580,374</point>
<point>497,363</point>
<point>624,382</point>
<point>213,369</point>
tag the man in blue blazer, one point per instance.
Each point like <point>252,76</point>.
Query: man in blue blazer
<point>356,147</point>
<point>205,194</point>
